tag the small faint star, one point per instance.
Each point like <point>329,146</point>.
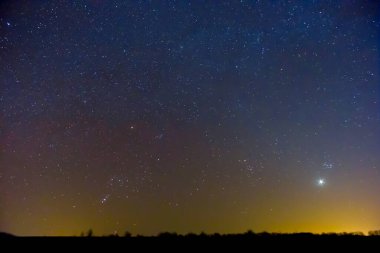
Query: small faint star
<point>104,199</point>
<point>327,165</point>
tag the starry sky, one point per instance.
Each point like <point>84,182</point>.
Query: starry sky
<point>189,116</point>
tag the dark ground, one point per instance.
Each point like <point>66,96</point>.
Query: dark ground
<point>248,242</point>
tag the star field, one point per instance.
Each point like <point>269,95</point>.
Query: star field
<point>189,116</point>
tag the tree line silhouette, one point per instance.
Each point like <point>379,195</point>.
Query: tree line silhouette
<point>249,233</point>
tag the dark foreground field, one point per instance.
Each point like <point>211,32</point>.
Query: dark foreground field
<point>249,242</point>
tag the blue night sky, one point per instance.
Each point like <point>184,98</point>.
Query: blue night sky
<point>189,116</point>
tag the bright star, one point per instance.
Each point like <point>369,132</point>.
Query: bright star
<point>321,182</point>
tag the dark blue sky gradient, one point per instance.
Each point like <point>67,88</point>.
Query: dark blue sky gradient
<point>189,116</point>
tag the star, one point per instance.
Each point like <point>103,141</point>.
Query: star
<point>321,182</point>
<point>105,198</point>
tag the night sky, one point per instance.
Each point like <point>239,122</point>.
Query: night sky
<point>189,116</point>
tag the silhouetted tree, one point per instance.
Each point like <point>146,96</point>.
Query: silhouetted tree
<point>357,233</point>
<point>203,234</point>
<point>127,234</point>
<point>89,233</point>
<point>191,235</point>
<point>5,235</point>
<point>249,233</point>
<point>374,233</point>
